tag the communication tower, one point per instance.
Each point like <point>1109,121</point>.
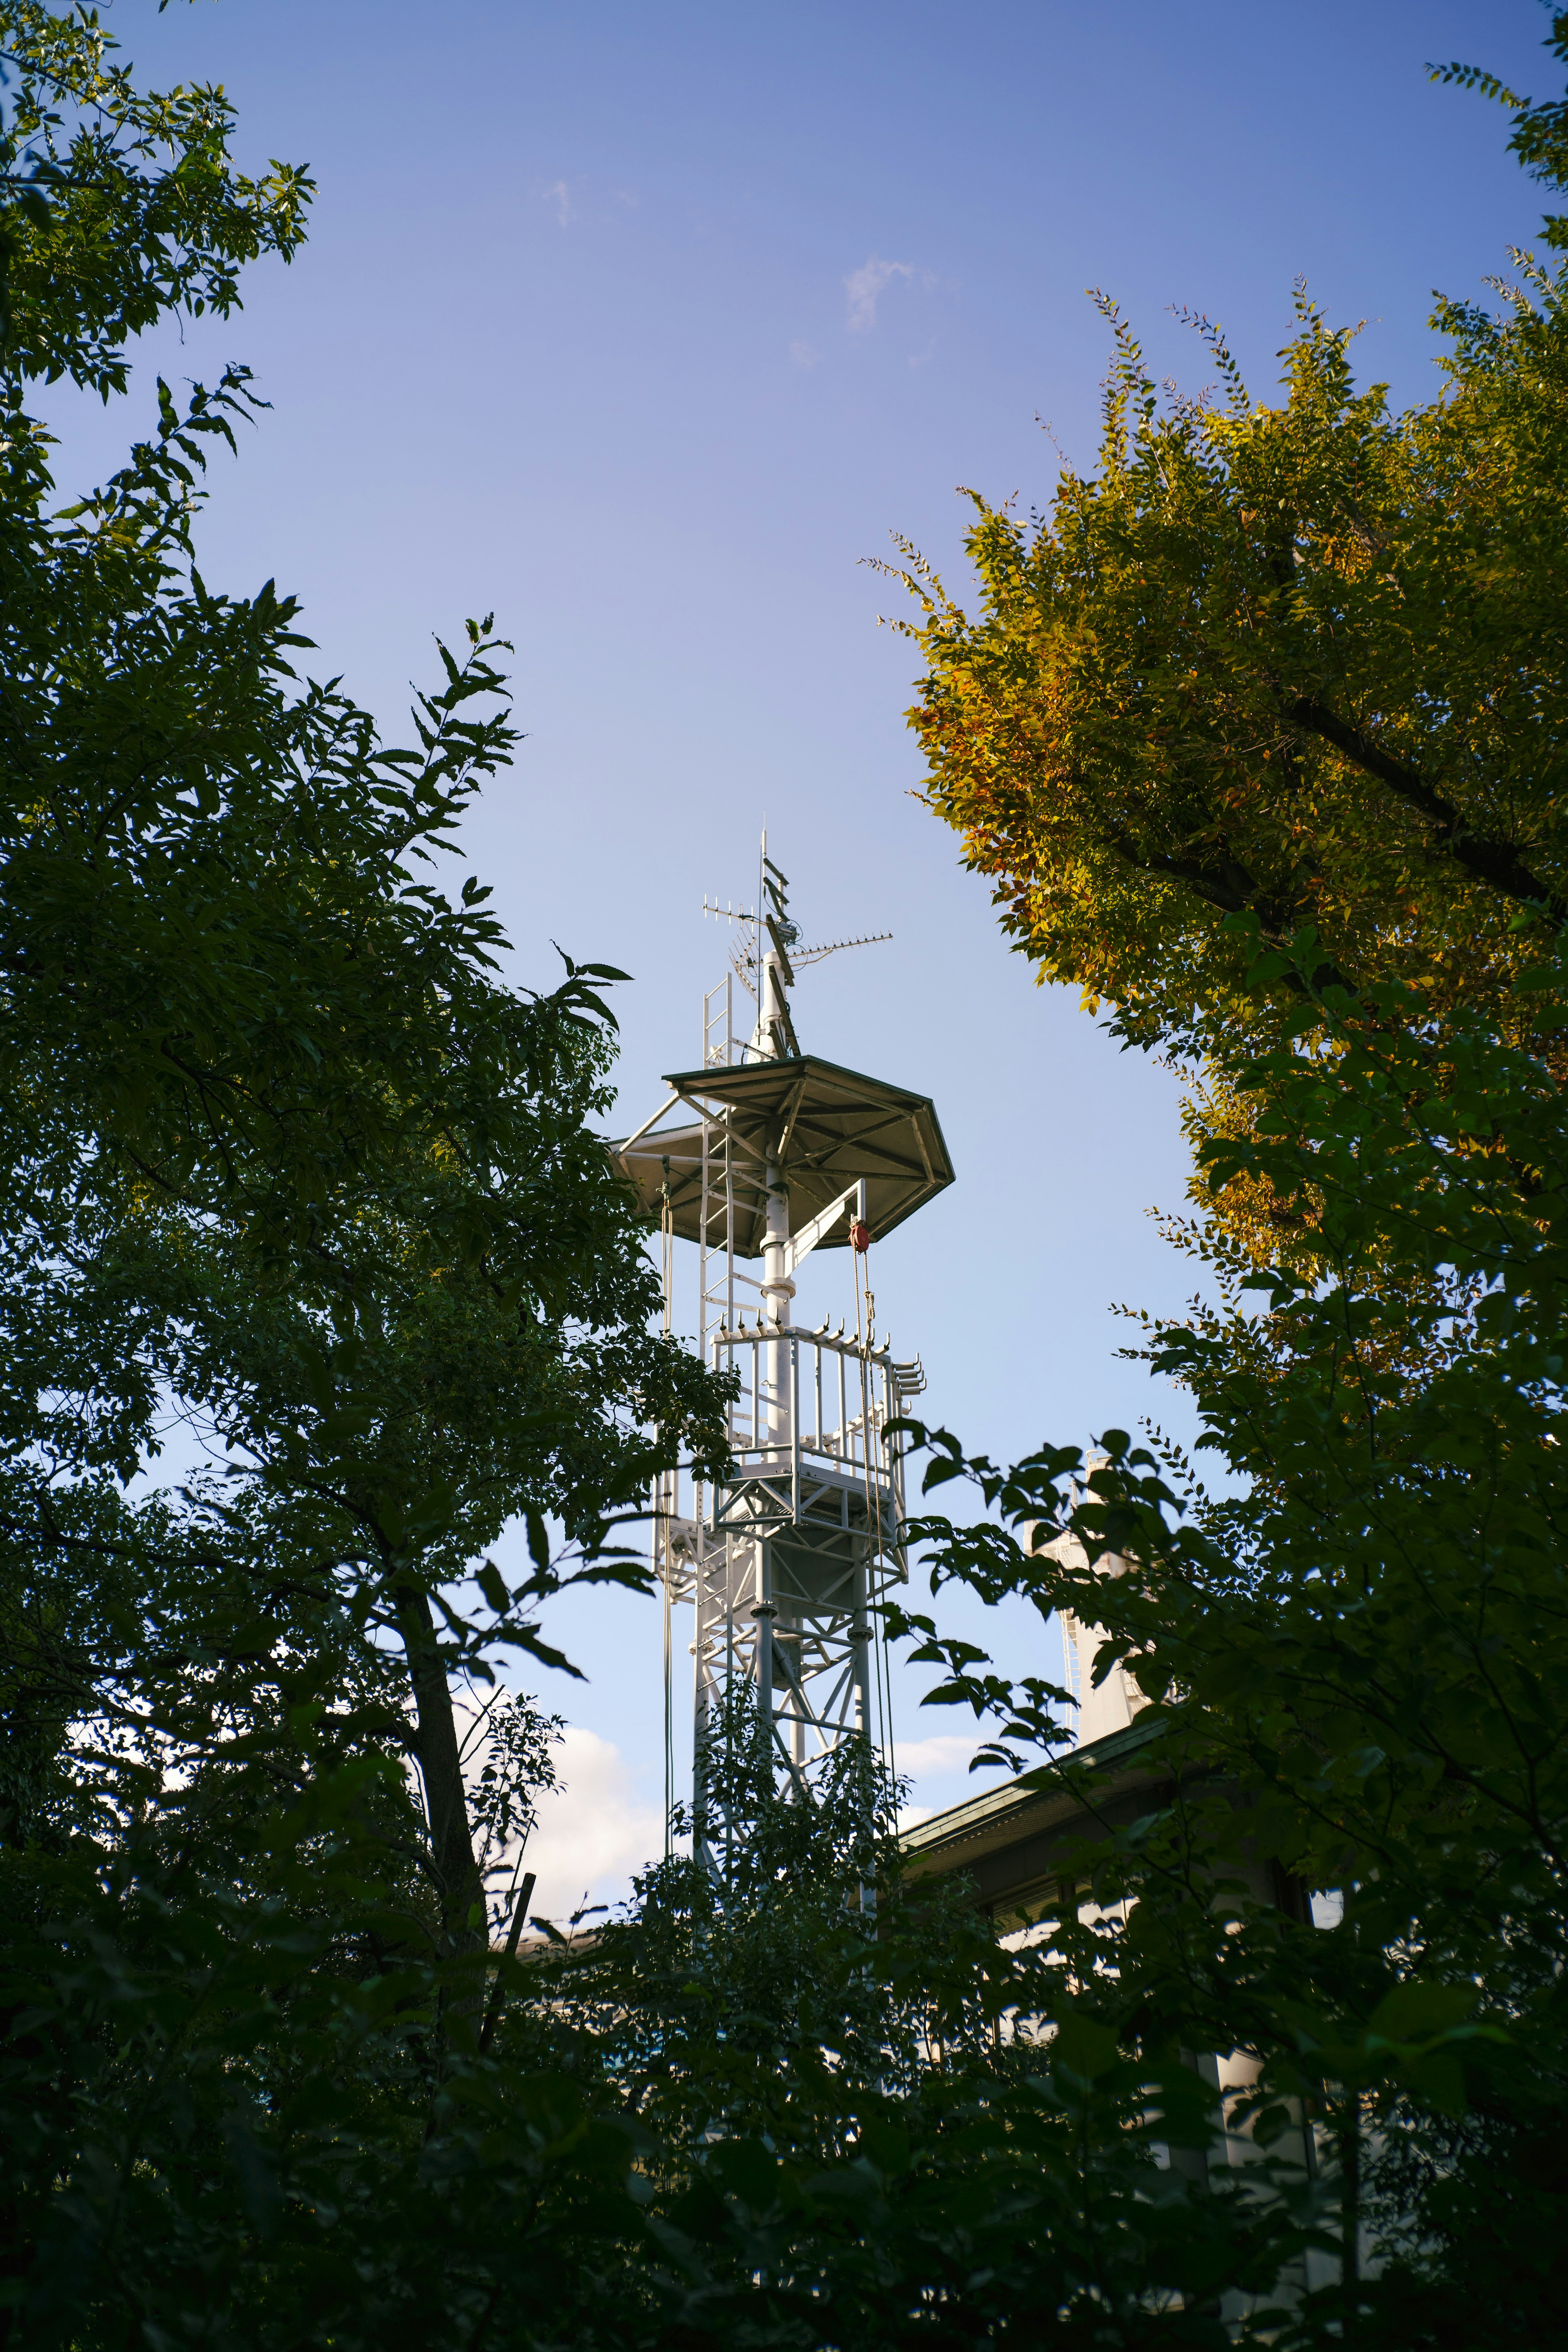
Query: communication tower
<point>771,1153</point>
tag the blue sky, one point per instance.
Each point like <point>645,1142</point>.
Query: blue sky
<point>646,329</point>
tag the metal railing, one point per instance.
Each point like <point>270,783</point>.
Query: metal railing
<point>808,1394</point>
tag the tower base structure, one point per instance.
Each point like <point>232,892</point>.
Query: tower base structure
<point>797,1553</point>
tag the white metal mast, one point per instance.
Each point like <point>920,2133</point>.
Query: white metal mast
<point>786,1561</point>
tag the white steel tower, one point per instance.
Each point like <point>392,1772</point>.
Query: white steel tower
<point>772,1154</point>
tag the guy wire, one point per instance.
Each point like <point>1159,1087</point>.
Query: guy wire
<point>863,1335</point>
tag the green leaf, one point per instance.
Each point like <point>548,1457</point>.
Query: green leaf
<point>489,1580</point>
<point>1417,2009</point>
<point>1087,2048</point>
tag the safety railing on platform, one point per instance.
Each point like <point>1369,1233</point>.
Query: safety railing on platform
<point>811,1400</point>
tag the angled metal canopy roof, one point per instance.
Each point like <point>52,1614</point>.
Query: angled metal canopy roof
<point>825,1126</point>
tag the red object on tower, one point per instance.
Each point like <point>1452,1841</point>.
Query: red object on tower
<point>860,1234</point>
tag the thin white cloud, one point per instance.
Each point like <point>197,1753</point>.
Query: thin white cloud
<point>945,1758</point>
<point>803,355</point>
<point>945,1751</point>
<point>592,1832</point>
<point>556,194</point>
<point>864,285</point>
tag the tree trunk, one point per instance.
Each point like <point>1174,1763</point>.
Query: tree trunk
<point>1349,2213</point>
<point>451,1842</point>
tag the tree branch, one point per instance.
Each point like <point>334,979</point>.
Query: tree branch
<point>1490,860</point>
<point>1230,890</point>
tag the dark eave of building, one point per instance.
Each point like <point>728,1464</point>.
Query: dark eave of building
<point>1011,1843</point>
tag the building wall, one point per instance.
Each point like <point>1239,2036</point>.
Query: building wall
<point>1109,1705</point>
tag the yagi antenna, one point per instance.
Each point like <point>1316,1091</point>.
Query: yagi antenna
<point>743,950</point>
<point>815,955</point>
<point>743,955</point>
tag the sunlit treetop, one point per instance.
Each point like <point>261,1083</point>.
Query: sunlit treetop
<point>117,206</point>
<point>1302,660</point>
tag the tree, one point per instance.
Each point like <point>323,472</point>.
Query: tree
<point>290,1175</point>
<point>861,2131</point>
<point>291,1171</point>
<point>1303,662</point>
<point>1353,1657</point>
<point>1260,732</point>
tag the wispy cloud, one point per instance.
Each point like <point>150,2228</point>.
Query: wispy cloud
<point>939,1768</point>
<point>864,285</point>
<point>943,1751</point>
<point>803,355</point>
<point>594,1832</point>
<point>556,194</point>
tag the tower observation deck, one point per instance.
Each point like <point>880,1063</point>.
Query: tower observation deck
<point>766,1153</point>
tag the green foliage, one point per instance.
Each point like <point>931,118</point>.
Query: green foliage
<point>519,1767</point>
<point>1258,735</point>
<point>246,2057</point>
<point>285,1166</point>
<point>1259,731</point>
<point>297,1190</point>
<point>875,2124</point>
<point>118,207</point>
<point>1540,130</point>
<point>1354,1656</point>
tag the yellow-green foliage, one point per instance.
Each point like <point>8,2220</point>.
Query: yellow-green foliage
<point>1307,661</point>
